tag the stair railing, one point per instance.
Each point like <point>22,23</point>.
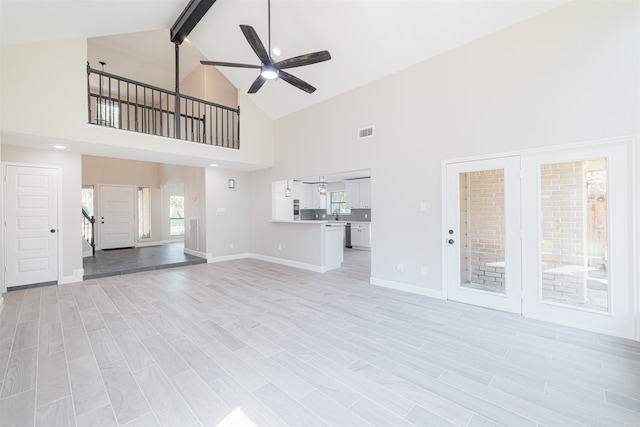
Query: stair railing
<point>88,228</point>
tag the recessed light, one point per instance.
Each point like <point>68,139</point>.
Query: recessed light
<point>60,147</point>
<point>276,51</point>
<point>213,164</point>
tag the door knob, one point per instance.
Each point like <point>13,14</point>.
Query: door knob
<point>53,230</point>
<point>450,241</point>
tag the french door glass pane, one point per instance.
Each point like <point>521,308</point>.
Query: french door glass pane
<point>574,234</point>
<point>482,225</point>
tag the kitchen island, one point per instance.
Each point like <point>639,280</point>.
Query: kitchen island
<point>312,245</point>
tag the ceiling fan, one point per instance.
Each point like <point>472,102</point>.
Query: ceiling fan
<point>270,70</point>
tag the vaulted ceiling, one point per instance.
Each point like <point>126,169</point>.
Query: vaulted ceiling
<point>368,39</point>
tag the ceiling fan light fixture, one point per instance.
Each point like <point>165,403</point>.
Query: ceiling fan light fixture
<point>269,72</point>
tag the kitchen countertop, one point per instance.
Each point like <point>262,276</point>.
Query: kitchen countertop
<point>316,221</point>
<point>307,221</point>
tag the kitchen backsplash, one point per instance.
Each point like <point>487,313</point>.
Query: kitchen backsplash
<point>316,214</point>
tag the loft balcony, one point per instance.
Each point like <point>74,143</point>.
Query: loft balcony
<point>121,103</point>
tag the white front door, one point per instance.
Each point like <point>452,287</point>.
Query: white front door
<point>578,242</point>
<point>483,233</point>
<point>31,225</point>
<point>116,216</point>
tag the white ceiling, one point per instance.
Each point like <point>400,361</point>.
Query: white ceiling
<point>368,39</point>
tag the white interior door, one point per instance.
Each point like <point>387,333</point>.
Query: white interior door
<point>31,225</point>
<point>117,216</point>
<point>482,245</point>
<point>578,246</point>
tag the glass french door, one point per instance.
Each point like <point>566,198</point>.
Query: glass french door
<point>483,233</point>
<point>577,244</point>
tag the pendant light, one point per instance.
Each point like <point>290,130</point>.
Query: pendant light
<point>322,186</point>
<point>287,191</point>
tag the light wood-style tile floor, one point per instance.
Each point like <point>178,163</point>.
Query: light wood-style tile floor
<point>246,341</point>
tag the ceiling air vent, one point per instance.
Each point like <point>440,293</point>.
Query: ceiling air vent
<point>365,132</point>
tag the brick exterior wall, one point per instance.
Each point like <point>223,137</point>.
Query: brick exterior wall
<point>482,225</point>
<point>562,198</point>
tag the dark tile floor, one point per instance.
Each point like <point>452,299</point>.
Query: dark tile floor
<point>113,262</point>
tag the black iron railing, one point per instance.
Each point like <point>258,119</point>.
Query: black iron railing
<point>88,228</point>
<point>121,103</point>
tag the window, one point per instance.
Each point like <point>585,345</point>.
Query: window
<point>144,213</point>
<point>108,114</point>
<point>87,199</point>
<point>176,216</point>
<point>339,202</point>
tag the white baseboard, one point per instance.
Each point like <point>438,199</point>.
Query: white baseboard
<point>144,244</point>
<point>1,304</point>
<point>432,293</point>
<point>211,259</point>
<point>87,254</point>
<point>289,263</point>
<point>77,277</point>
<point>197,253</point>
<point>176,240</point>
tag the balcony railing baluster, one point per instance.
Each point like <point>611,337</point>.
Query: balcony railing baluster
<point>153,115</point>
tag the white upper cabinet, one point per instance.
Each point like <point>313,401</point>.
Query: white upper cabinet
<point>296,190</point>
<point>358,194</point>
<point>365,194</point>
<point>311,198</point>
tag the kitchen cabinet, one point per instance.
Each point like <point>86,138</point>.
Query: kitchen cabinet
<point>311,198</point>
<point>358,194</point>
<point>296,190</point>
<point>361,234</point>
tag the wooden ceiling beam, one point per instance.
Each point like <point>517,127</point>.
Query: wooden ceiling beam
<point>189,18</point>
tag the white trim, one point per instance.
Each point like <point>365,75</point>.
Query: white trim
<point>443,208</point>
<point>631,138</point>
<point>86,254</point>
<point>78,276</point>
<point>169,241</point>
<point>399,286</point>
<point>1,304</point>
<point>576,325</point>
<point>144,244</point>
<point>212,259</point>
<point>634,158</point>
<point>287,262</point>
<point>197,253</point>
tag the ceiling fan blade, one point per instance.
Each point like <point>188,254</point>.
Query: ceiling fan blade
<point>255,43</point>
<point>307,59</point>
<point>228,64</point>
<point>293,80</point>
<point>257,84</point>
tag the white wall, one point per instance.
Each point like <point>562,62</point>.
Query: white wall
<point>70,229</point>
<point>566,76</point>
<point>227,213</point>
